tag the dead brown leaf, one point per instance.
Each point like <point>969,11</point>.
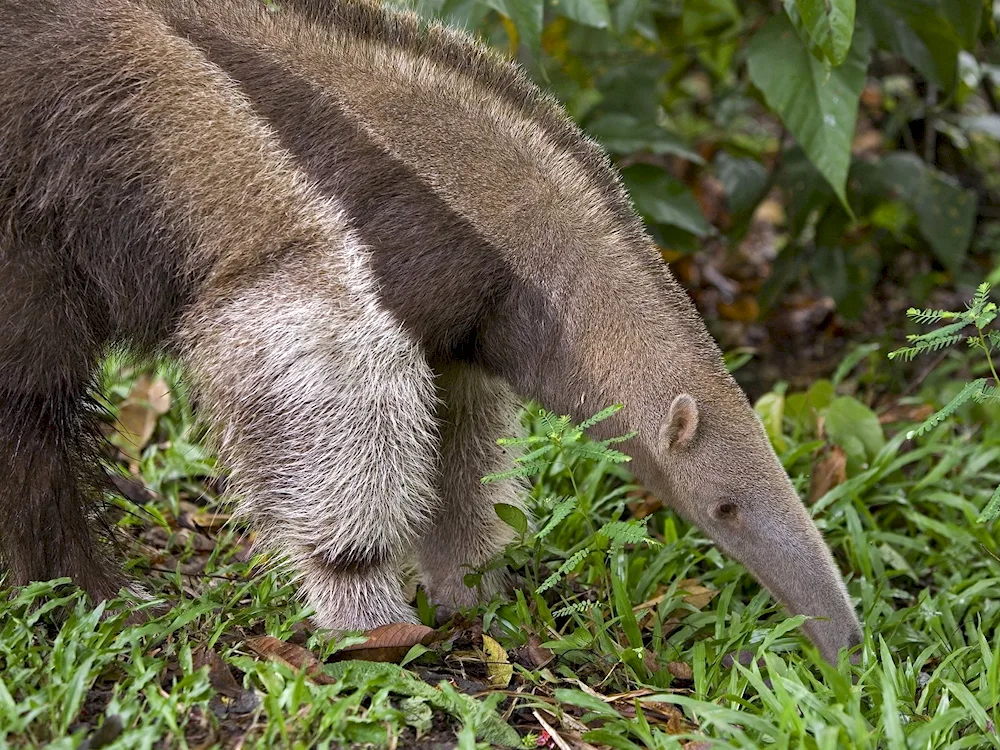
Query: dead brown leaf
<point>697,595</point>
<point>388,643</point>
<point>147,400</point>
<point>231,697</point>
<point>538,655</point>
<point>290,655</point>
<point>681,671</point>
<point>828,472</point>
<point>641,504</point>
<point>135,426</point>
<point>710,193</point>
<point>201,520</point>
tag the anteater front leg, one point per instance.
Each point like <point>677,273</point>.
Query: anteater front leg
<point>50,477</point>
<point>476,410</point>
<point>324,409</point>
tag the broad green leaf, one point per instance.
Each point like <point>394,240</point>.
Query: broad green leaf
<point>848,273</point>
<point>586,701</point>
<point>945,212</point>
<point>803,409</point>
<point>622,133</point>
<point>920,33</point>
<point>821,394</point>
<point>855,428</point>
<point>462,14</point>
<point>966,16</point>
<point>527,17</point>
<point>634,86</point>
<point>628,12</point>
<point>512,516</point>
<point>588,12</point>
<point>830,24</point>
<point>709,18</point>
<point>946,215</point>
<point>817,105</point>
<point>663,200</point>
<point>744,180</point>
<point>771,409</point>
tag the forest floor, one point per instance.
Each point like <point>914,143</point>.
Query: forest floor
<point>629,628</point>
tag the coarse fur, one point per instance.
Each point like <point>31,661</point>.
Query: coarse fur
<point>363,234</point>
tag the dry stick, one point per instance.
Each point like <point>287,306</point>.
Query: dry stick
<point>563,745</point>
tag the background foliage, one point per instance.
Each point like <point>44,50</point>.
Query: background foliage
<point>820,156</point>
<point>874,124</point>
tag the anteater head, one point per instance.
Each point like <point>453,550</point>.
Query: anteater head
<point>715,465</point>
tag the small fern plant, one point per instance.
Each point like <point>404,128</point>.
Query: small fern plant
<point>562,445</point>
<point>978,315</point>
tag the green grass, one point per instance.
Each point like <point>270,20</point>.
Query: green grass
<point>588,661</point>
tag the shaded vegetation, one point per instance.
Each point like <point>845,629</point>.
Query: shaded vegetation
<point>810,169</point>
<point>629,629</point>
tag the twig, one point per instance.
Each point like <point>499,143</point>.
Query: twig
<point>556,737</point>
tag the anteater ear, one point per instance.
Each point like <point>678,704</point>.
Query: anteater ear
<point>681,424</point>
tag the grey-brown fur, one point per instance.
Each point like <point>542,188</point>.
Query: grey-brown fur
<point>361,235</point>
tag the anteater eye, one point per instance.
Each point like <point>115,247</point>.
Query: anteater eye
<point>726,510</point>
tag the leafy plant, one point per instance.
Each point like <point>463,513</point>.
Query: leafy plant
<point>980,313</point>
<point>857,117</point>
<point>560,443</point>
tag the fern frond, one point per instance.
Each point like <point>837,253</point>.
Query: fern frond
<point>986,316</point>
<point>599,452</point>
<point>937,333</point>
<point>982,311</point>
<point>981,298</point>
<point>601,416</point>
<point>622,533</point>
<point>907,353</point>
<point>549,582</point>
<point>989,395</point>
<point>573,609</point>
<point>526,440</point>
<point>930,316</point>
<point>967,393</point>
<point>620,438</point>
<point>992,509</point>
<point>559,512</point>
<point>567,567</point>
<point>519,471</point>
<point>535,456</point>
<point>553,424</point>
